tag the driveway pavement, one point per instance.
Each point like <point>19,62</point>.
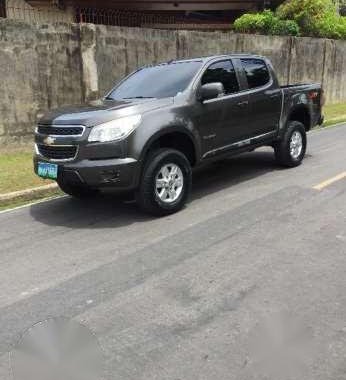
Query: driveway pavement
<point>248,281</point>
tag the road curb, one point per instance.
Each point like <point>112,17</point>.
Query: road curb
<point>32,193</point>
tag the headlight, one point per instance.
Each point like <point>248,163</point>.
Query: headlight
<point>115,129</point>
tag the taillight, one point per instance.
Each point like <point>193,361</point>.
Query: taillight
<point>313,95</point>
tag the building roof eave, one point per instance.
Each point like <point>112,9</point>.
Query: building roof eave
<point>159,5</point>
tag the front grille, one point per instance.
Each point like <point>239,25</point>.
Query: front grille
<point>61,130</point>
<point>55,152</point>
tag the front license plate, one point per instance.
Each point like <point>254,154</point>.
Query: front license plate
<point>46,170</point>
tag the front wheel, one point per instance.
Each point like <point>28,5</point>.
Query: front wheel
<point>290,151</point>
<point>166,182</point>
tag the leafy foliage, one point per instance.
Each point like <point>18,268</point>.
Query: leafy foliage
<point>266,23</point>
<point>305,10</point>
<point>317,18</point>
<point>330,26</point>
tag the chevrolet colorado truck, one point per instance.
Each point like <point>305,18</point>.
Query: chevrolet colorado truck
<point>155,125</point>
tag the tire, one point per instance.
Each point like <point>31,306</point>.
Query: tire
<point>290,150</point>
<point>156,194</point>
<point>76,191</point>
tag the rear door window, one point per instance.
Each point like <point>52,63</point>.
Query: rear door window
<point>223,72</point>
<point>256,72</point>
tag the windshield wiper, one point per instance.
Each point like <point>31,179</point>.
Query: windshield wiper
<point>140,97</point>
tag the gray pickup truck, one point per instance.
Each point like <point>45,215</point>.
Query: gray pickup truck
<point>159,122</point>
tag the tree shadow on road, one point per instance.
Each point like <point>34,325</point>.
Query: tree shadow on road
<point>111,211</point>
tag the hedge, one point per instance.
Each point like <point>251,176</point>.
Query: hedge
<point>315,18</point>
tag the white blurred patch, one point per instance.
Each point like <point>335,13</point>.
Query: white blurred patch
<point>57,349</point>
<point>281,348</point>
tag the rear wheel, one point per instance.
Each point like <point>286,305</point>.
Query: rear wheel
<point>76,191</point>
<point>165,183</point>
<point>290,151</point>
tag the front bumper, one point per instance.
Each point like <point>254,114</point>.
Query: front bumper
<point>118,173</point>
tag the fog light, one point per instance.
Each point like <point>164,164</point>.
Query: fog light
<point>110,176</point>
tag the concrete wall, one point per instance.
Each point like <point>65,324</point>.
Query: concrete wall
<point>21,10</point>
<point>114,52</point>
<point>46,66</point>
<point>40,68</point>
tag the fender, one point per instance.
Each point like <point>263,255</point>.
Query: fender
<point>299,112</point>
<point>167,131</point>
<point>160,123</point>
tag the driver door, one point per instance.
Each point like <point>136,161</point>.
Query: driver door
<point>224,118</point>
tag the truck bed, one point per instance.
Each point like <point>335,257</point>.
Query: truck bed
<point>302,86</point>
<point>308,94</point>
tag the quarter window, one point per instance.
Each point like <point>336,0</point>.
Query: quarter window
<point>222,72</point>
<point>256,71</point>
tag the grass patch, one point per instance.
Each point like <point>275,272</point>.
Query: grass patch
<point>334,114</point>
<point>17,172</point>
<point>24,200</point>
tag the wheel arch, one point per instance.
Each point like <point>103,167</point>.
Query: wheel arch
<point>302,114</point>
<point>174,138</point>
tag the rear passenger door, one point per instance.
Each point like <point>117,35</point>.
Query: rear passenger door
<point>232,107</point>
<point>264,97</point>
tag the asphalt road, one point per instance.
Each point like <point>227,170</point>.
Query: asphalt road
<point>251,273</point>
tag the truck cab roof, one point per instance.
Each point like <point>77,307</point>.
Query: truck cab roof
<point>206,59</point>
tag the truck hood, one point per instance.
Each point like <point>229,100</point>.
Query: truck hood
<point>101,111</point>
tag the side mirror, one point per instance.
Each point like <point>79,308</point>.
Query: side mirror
<point>211,91</point>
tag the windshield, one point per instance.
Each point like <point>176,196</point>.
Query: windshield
<point>160,81</point>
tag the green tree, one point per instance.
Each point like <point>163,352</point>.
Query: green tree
<point>317,18</point>
<point>266,23</point>
<point>305,10</point>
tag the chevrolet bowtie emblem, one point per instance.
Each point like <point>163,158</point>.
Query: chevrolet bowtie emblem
<point>49,140</point>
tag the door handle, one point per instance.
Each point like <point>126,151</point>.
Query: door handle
<point>243,104</point>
